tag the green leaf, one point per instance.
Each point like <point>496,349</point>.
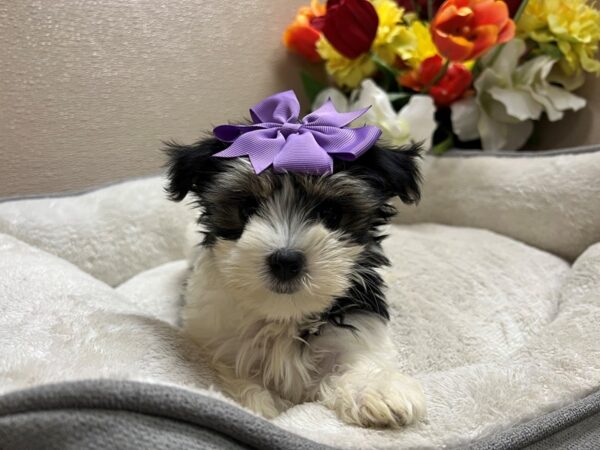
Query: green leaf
<point>442,147</point>
<point>394,96</point>
<point>312,87</point>
<point>430,9</point>
<point>551,50</point>
<point>389,73</point>
<point>384,66</point>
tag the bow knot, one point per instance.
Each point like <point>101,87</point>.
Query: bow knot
<point>288,128</point>
<point>277,138</point>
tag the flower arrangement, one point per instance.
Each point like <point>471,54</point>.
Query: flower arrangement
<point>466,73</point>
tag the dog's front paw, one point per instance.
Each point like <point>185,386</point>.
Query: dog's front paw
<point>381,399</point>
<point>261,402</point>
<point>255,397</point>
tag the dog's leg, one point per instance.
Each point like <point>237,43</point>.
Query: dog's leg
<point>364,386</point>
<point>251,394</point>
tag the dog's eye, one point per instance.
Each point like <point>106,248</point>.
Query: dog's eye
<point>329,213</point>
<point>247,209</point>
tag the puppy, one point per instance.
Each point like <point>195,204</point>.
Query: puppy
<point>285,296</point>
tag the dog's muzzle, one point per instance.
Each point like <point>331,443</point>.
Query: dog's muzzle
<point>286,264</point>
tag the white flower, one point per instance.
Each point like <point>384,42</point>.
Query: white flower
<point>509,97</point>
<point>413,123</point>
<point>339,100</point>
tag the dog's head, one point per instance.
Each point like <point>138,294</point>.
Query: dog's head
<point>295,245</point>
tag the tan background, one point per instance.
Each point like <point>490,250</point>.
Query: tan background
<point>88,89</point>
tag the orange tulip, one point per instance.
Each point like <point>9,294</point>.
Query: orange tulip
<point>300,36</point>
<point>464,29</point>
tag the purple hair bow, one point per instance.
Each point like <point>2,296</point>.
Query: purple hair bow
<point>277,137</point>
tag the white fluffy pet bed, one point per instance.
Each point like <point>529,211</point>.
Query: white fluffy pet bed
<point>500,326</point>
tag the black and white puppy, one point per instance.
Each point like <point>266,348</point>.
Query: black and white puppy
<point>285,295</point>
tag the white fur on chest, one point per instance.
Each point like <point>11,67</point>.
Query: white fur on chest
<point>265,365</point>
<point>269,352</point>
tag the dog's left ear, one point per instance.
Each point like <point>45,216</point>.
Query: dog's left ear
<point>192,167</point>
<point>394,172</point>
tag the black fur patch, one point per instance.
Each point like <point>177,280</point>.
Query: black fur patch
<point>192,167</point>
<point>394,172</point>
<point>367,293</point>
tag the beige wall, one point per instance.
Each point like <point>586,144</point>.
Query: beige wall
<point>88,89</point>
<point>576,128</point>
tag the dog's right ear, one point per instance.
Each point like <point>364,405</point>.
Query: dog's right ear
<point>192,167</point>
<point>394,171</point>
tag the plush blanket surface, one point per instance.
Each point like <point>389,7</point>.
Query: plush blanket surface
<point>548,200</point>
<point>497,331</point>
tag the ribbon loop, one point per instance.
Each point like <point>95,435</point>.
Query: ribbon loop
<point>280,108</point>
<point>277,138</point>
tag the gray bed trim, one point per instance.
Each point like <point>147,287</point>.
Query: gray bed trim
<point>33,409</point>
<point>521,153</point>
<point>540,432</point>
<point>121,414</point>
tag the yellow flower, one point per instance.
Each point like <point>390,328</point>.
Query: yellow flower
<point>389,15</point>
<point>412,43</point>
<point>417,44</point>
<point>346,72</point>
<point>572,26</point>
<point>394,40</point>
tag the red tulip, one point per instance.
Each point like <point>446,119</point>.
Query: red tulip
<point>464,29</point>
<point>451,87</point>
<point>300,36</point>
<point>350,26</point>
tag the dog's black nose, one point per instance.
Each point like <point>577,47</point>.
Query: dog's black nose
<point>286,264</point>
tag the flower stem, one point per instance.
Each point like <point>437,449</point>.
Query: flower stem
<point>383,65</point>
<point>520,11</point>
<point>416,7</point>
<point>389,73</point>
<point>438,77</point>
<point>430,9</point>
